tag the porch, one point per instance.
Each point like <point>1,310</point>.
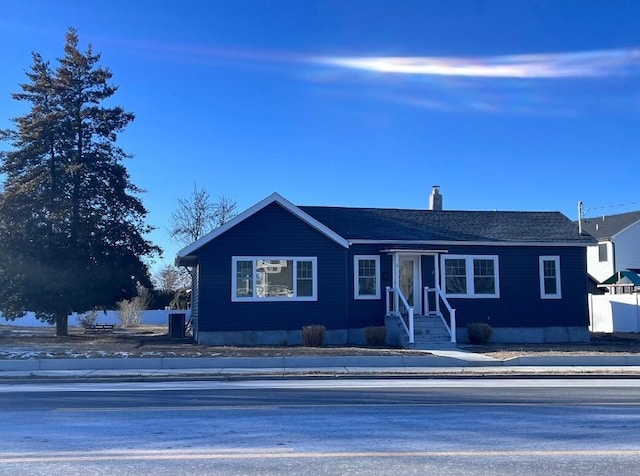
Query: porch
<point>435,327</point>
<point>415,303</point>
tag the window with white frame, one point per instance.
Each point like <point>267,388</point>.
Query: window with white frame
<point>470,276</point>
<point>603,253</point>
<point>366,276</point>
<point>550,277</point>
<point>274,279</point>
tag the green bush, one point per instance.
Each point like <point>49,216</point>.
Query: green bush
<point>479,333</point>
<point>375,335</point>
<point>313,336</point>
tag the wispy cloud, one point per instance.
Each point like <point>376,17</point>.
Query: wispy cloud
<point>558,84</point>
<point>558,65</point>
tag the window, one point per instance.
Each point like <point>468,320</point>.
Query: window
<point>470,276</point>
<point>550,277</point>
<point>274,279</point>
<point>602,253</point>
<point>455,272</point>
<point>366,272</point>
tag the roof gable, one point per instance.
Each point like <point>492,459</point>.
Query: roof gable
<point>610,225</point>
<point>273,198</point>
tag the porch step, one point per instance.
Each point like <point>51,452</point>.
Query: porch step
<point>427,330</point>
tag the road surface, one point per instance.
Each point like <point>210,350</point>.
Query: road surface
<point>386,426</point>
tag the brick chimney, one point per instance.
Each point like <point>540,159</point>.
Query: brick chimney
<point>435,199</point>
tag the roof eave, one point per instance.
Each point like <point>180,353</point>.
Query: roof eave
<point>470,243</point>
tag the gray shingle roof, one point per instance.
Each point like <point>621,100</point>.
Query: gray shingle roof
<point>448,225</point>
<point>608,226</point>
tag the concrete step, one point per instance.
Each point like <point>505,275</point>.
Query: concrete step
<point>428,338</point>
<point>432,346</point>
<point>428,331</point>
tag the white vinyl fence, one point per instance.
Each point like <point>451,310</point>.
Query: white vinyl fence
<point>156,318</point>
<point>614,312</point>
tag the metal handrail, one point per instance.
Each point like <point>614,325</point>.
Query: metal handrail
<point>440,297</point>
<point>399,298</point>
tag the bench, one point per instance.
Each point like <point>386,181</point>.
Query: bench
<point>93,328</point>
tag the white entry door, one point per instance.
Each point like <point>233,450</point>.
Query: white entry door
<point>409,281</point>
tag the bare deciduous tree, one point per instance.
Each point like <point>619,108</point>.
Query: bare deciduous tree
<point>225,210</point>
<point>198,215</point>
<point>171,278</point>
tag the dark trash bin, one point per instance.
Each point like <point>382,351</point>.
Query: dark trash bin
<point>176,325</point>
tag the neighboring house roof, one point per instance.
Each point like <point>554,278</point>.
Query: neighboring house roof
<point>624,277</point>
<point>449,225</point>
<point>610,225</point>
<point>343,225</point>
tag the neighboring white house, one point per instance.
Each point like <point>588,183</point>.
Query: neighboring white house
<point>618,247</point>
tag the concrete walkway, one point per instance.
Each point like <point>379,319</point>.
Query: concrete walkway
<point>439,363</point>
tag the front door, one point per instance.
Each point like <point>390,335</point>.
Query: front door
<point>409,280</point>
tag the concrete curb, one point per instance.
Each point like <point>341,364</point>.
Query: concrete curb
<point>577,360</point>
<point>283,364</point>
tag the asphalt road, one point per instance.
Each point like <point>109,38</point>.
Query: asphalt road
<point>476,426</point>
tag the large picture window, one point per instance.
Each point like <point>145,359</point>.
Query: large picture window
<point>470,276</point>
<point>550,277</point>
<point>274,279</point>
<point>366,274</point>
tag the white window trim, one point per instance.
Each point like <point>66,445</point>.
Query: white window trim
<point>356,276</point>
<point>255,297</point>
<point>470,294</point>
<point>558,294</point>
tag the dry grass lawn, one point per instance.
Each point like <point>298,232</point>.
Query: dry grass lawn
<point>153,341</point>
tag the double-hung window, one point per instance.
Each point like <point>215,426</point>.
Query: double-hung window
<point>550,277</point>
<point>274,279</point>
<point>366,275</point>
<point>470,276</point>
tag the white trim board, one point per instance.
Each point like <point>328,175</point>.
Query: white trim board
<point>467,243</point>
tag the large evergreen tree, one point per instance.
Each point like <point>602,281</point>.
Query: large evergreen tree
<point>72,228</point>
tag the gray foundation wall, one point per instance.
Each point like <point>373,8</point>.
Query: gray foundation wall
<point>521,335</point>
<point>332,337</point>
<point>534,335</point>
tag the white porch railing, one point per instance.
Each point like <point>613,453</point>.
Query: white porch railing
<point>398,306</point>
<point>441,298</point>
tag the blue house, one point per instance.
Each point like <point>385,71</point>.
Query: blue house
<point>425,274</point>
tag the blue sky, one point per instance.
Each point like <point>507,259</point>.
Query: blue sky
<point>508,105</point>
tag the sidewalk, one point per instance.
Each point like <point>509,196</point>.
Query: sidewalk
<point>441,363</point>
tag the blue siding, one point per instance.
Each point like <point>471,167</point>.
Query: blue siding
<point>368,312</point>
<point>195,302</point>
<point>272,231</point>
<point>520,304</point>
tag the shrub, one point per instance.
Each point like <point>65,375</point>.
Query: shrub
<point>130,311</point>
<point>283,343</point>
<point>313,336</point>
<point>375,335</point>
<point>479,333</point>
<point>89,318</point>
